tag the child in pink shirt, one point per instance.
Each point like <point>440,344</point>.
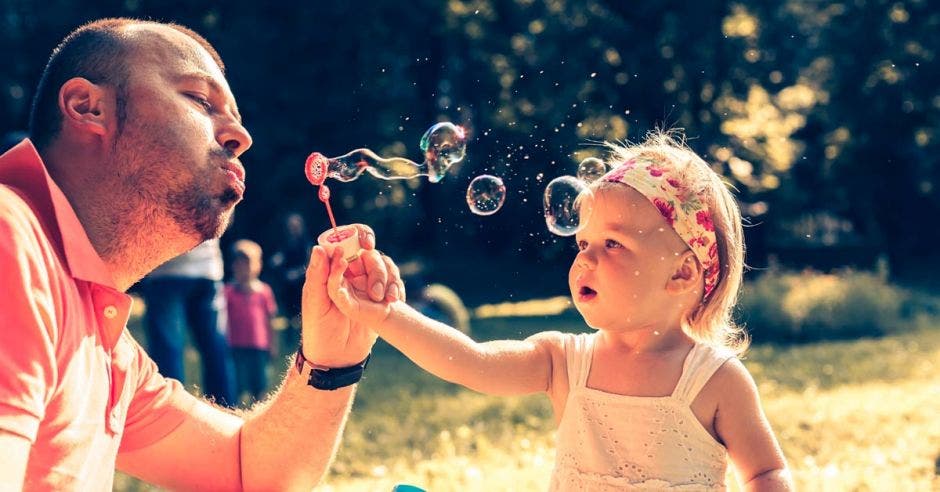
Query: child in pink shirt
<point>251,307</point>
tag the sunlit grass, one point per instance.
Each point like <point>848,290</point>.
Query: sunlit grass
<point>853,415</point>
<point>859,415</point>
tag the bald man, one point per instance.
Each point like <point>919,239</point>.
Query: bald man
<point>133,159</point>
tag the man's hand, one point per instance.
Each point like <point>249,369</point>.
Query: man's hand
<point>329,338</point>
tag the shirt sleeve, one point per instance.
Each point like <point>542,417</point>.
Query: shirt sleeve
<point>159,405</point>
<point>28,321</point>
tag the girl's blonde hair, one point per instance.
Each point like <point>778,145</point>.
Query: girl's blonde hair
<point>711,322</point>
<point>248,250</point>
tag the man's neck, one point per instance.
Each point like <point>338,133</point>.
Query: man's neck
<point>131,237</point>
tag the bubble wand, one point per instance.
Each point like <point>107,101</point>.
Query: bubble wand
<point>444,145</point>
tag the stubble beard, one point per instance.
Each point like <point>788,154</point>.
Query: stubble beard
<point>197,212</point>
<point>159,202</point>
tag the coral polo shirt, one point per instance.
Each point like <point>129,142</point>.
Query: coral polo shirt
<point>72,379</point>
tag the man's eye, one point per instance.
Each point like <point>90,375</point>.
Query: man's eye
<point>202,101</point>
<point>610,243</point>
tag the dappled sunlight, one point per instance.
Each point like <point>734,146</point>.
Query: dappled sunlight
<point>849,415</point>
<point>535,307</point>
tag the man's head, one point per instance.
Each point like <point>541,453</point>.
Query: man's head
<point>140,112</point>
<point>97,51</point>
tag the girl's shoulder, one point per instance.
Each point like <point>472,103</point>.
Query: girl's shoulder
<point>551,340</point>
<point>562,342</point>
<point>731,383</point>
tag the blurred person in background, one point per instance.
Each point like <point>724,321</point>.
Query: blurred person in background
<point>251,308</point>
<point>288,264</point>
<point>187,293</point>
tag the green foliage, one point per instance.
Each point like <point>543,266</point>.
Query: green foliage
<point>806,306</point>
<point>812,109</point>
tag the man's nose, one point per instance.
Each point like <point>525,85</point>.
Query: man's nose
<point>234,138</point>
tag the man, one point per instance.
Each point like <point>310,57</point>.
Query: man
<point>138,139</point>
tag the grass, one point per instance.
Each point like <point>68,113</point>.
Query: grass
<point>850,415</point>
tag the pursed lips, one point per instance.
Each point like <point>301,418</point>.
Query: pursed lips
<point>236,168</point>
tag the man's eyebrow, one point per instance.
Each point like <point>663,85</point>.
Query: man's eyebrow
<point>206,78</point>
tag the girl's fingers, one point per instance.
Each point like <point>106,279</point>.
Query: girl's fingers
<point>396,288</point>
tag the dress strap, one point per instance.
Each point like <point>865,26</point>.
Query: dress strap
<point>578,351</point>
<point>700,365</point>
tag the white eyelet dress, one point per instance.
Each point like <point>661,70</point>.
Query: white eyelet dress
<point>608,442</point>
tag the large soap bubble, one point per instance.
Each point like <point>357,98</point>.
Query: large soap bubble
<point>567,206</point>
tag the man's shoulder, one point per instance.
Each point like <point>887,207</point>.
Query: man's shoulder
<point>16,215</point>
<point>11,201</point>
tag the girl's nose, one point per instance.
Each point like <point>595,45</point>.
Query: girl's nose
<point>585,260</point>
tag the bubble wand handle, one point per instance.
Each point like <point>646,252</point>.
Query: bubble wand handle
<point>316,170</point>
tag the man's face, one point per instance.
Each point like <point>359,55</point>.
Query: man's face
<point>182,135</point>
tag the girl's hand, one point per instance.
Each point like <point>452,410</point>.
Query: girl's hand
<point>330,338</point>
<point>347,289</point>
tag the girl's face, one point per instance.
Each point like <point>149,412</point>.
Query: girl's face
<point>243,270</point>
<point>627,254</point>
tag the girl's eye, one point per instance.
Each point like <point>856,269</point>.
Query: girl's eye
<point>580,245</point>
<point>610,243</point>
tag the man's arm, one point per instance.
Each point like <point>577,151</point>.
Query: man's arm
<point>28,324</point>
<point>287,442</point>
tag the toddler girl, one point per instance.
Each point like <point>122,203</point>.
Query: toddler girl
<point>251,308</point>
<point>655,397</point>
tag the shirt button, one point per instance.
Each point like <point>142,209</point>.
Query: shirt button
<point>110,312</point>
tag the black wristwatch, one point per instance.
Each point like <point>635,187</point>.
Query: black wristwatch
<point>330,378</point>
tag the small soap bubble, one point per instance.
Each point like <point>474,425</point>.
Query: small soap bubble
<point>566,205</point>
<point>591,169</point>
<point>486,194</point>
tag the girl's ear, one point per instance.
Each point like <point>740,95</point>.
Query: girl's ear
<point>687,275</point>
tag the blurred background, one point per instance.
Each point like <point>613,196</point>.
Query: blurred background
<point>823,115</point>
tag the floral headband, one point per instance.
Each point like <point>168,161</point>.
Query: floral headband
<point>684,210</point>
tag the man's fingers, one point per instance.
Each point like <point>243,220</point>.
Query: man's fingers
<point>314,291</point>
<point>366,237</point>
<point>337,270</point>
<point>318,267</point>
<point>376,274</point>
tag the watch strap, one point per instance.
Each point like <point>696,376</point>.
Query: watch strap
<point>330,378</point>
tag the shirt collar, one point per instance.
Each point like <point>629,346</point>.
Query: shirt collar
<point>22,168</point>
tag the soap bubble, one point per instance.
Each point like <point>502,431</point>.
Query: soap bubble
<point>444,144</point>
<point>566,200</point>
<point>486,194</point>
<point>591,169</point>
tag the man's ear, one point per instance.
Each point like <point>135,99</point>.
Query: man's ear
<point>687,275</point>
<point>86,107</point>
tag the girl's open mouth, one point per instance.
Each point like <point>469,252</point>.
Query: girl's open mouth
<point>586,293</point>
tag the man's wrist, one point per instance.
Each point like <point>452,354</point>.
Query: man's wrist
<point>329,378</point>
